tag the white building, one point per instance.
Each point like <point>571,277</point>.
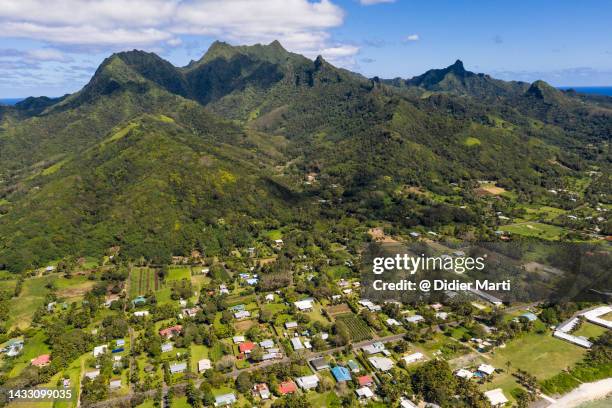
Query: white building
<point>364,393</point>
<point>204,365</point>
<point>413,358</point>
<point>307,382</point>
<point>100,350</point>
<point>303,305</point>
<point>296,343</point>
<point>496,397</point>
<point>381,363</point>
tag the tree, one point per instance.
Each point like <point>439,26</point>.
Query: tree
<point>244,383</point>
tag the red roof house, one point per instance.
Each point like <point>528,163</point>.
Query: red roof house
<point>41,360</point>
<point>287,387</point>
<point>171,331</point>
<point>246,347</point>
<point>365,380</point>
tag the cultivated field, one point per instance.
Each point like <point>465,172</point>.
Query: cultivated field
<point>358,329</point>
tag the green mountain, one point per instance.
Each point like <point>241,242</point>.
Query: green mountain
<point>160,159</point>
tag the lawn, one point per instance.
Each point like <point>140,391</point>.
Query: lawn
<point>31,298</point>
<point>589,330</point>
<point>33,347</point>
<point>534,229</point>
<point>178,273</point>
<point>472,141</point>
<point>273,234</point>
<point>539,354</point>
<point>198,353</point>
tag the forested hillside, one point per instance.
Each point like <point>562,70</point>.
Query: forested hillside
<point>159,160</point>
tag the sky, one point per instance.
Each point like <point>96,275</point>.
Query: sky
<point>52,47</point>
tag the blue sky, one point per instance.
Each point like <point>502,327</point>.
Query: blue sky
<point>51,47</point>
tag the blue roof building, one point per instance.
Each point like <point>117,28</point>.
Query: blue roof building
<point>341,373</point>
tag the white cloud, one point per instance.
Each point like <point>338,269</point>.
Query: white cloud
<point>412,37</point>
<point>371,2</point>
<point>301,25</point>
<point>47,54</point>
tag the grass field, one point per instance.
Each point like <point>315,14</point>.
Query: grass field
<point>589,330</point>
<point>539,354</point>
<point>31,298</point>
<point>33,348</point>
<point>357,327</point>
<point>534,229</point>
<point>471,141</point>
<point>178,273</point>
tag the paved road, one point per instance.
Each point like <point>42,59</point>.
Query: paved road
<point>112,402</point>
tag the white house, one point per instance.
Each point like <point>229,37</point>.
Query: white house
<point>463,373</point>
<point>291,325</point>
<point>204,365</point>
<point>413,358</point>
<point>100,350</point>
<point>268,343</point>
<point>496,397</point>
<point>307,382</point>
<point>364,393</point>
<point>415,319</point>
<point>239,339</point>
<point>303,305</point>
<point>141,313</point>
<point>166,347</point>
<point>92,374</point>
<point>486,369</point>
<point>296,343</point>
<point>115,384</point>
<point>381,363</point>
<point>392,322</point>
<point>242,314</point>
<point>178,367</point>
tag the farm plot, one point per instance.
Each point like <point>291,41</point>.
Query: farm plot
<point>337,310</point>
<point>358,329</point>
<point>143,280</point>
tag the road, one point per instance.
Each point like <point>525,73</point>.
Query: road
<point>113,402</point>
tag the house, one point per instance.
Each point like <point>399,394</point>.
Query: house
<point>115,384</point>
<point>415,234</point>
<point>406,403</point>
<point>41,361</point>
<point>365,380</point>
<point>291,325</point>
<point>100,350</point>
<point>141,313</point>
<point>381,363</point>
<point>92,374</point>
<point>530,316</point>
<point>319,364</point>
<point>270,297</point>
<point>271,355</point>
<point>496,397</point>
<point>120,343</point>
<point>463,373</point>
<point>246,347</point>
<point>287,387</point>
<point>486,369</point>
<point>364,393</point>
<point>204,365</point>
<point>166,347</point>
<point>238,339</point>
<point>243,314</point>
<point>171,331</point>
<point>374,348</point>
<point>413,358</point>
<point>296,343</point>
<point>278,243</point>
<point>341,373</point>
<point>304,305</point>
<point>415,319</point>
<point>237,308</point>
<point>225,400</point>
<point>263,390</point>
<point>442,315</point>
<point>353,366</point>
<point>267,344</point>
<point>178,367</point>
<point>223,289</point>
<point>392,322</point>
<point>308,382</point>
<point>370,305</point>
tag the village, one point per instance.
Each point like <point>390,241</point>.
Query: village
<point>202,334</point>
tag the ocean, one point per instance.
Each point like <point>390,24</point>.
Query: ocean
<point>10,101</point>
<point>600,90</point>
